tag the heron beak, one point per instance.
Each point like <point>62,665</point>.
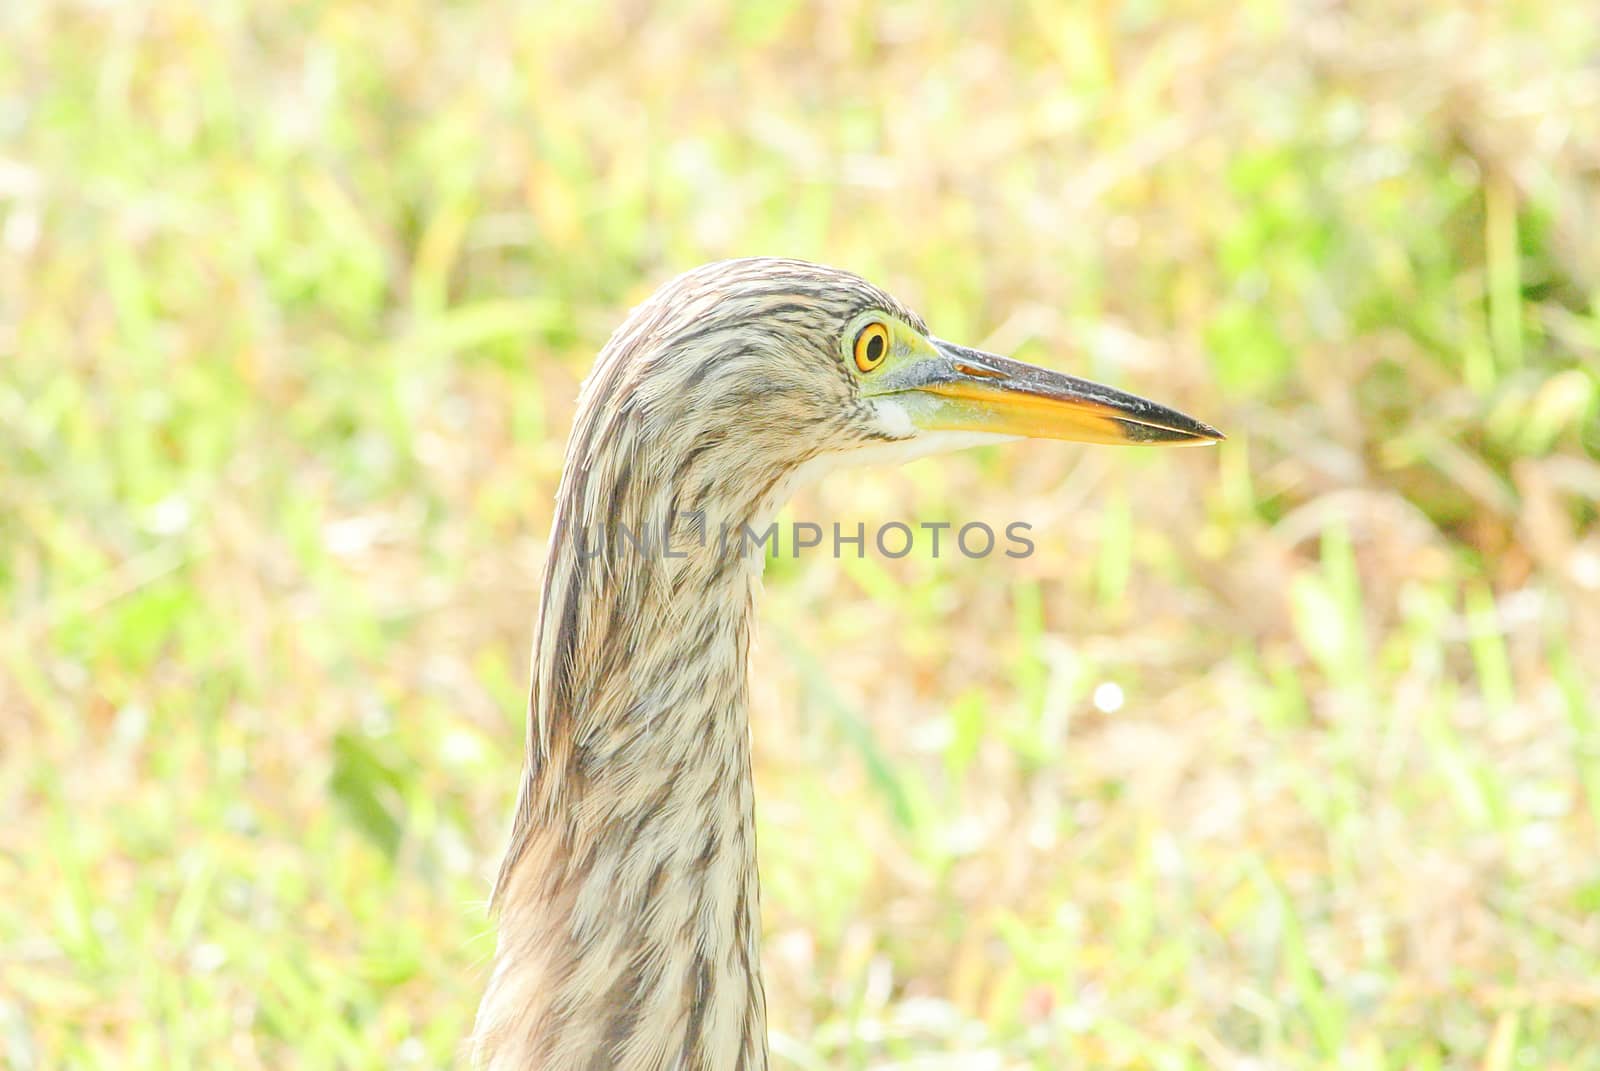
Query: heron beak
<point>963,389</point>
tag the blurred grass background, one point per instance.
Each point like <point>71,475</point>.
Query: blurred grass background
<point>1282,755</point>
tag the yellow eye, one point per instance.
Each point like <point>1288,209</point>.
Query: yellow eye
<point>872,346</point>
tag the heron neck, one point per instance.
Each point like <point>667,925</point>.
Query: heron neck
<point>629,900</point>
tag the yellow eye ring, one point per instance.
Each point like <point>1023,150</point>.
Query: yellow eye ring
<point>872,346</point>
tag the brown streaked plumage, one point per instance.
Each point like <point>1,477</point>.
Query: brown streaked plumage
<point>629,906</point>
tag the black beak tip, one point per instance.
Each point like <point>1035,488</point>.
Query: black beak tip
<point>1181,427</point>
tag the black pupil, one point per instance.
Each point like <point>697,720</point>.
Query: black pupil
<point>874,348</point>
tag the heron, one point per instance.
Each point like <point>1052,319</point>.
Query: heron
<point>628,901</point>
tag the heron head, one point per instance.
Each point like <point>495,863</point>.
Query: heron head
<point>738,379</point>
<point>823,360</point>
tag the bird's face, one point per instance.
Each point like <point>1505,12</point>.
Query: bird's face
<point>740,380</point>
<point>918,387</point>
